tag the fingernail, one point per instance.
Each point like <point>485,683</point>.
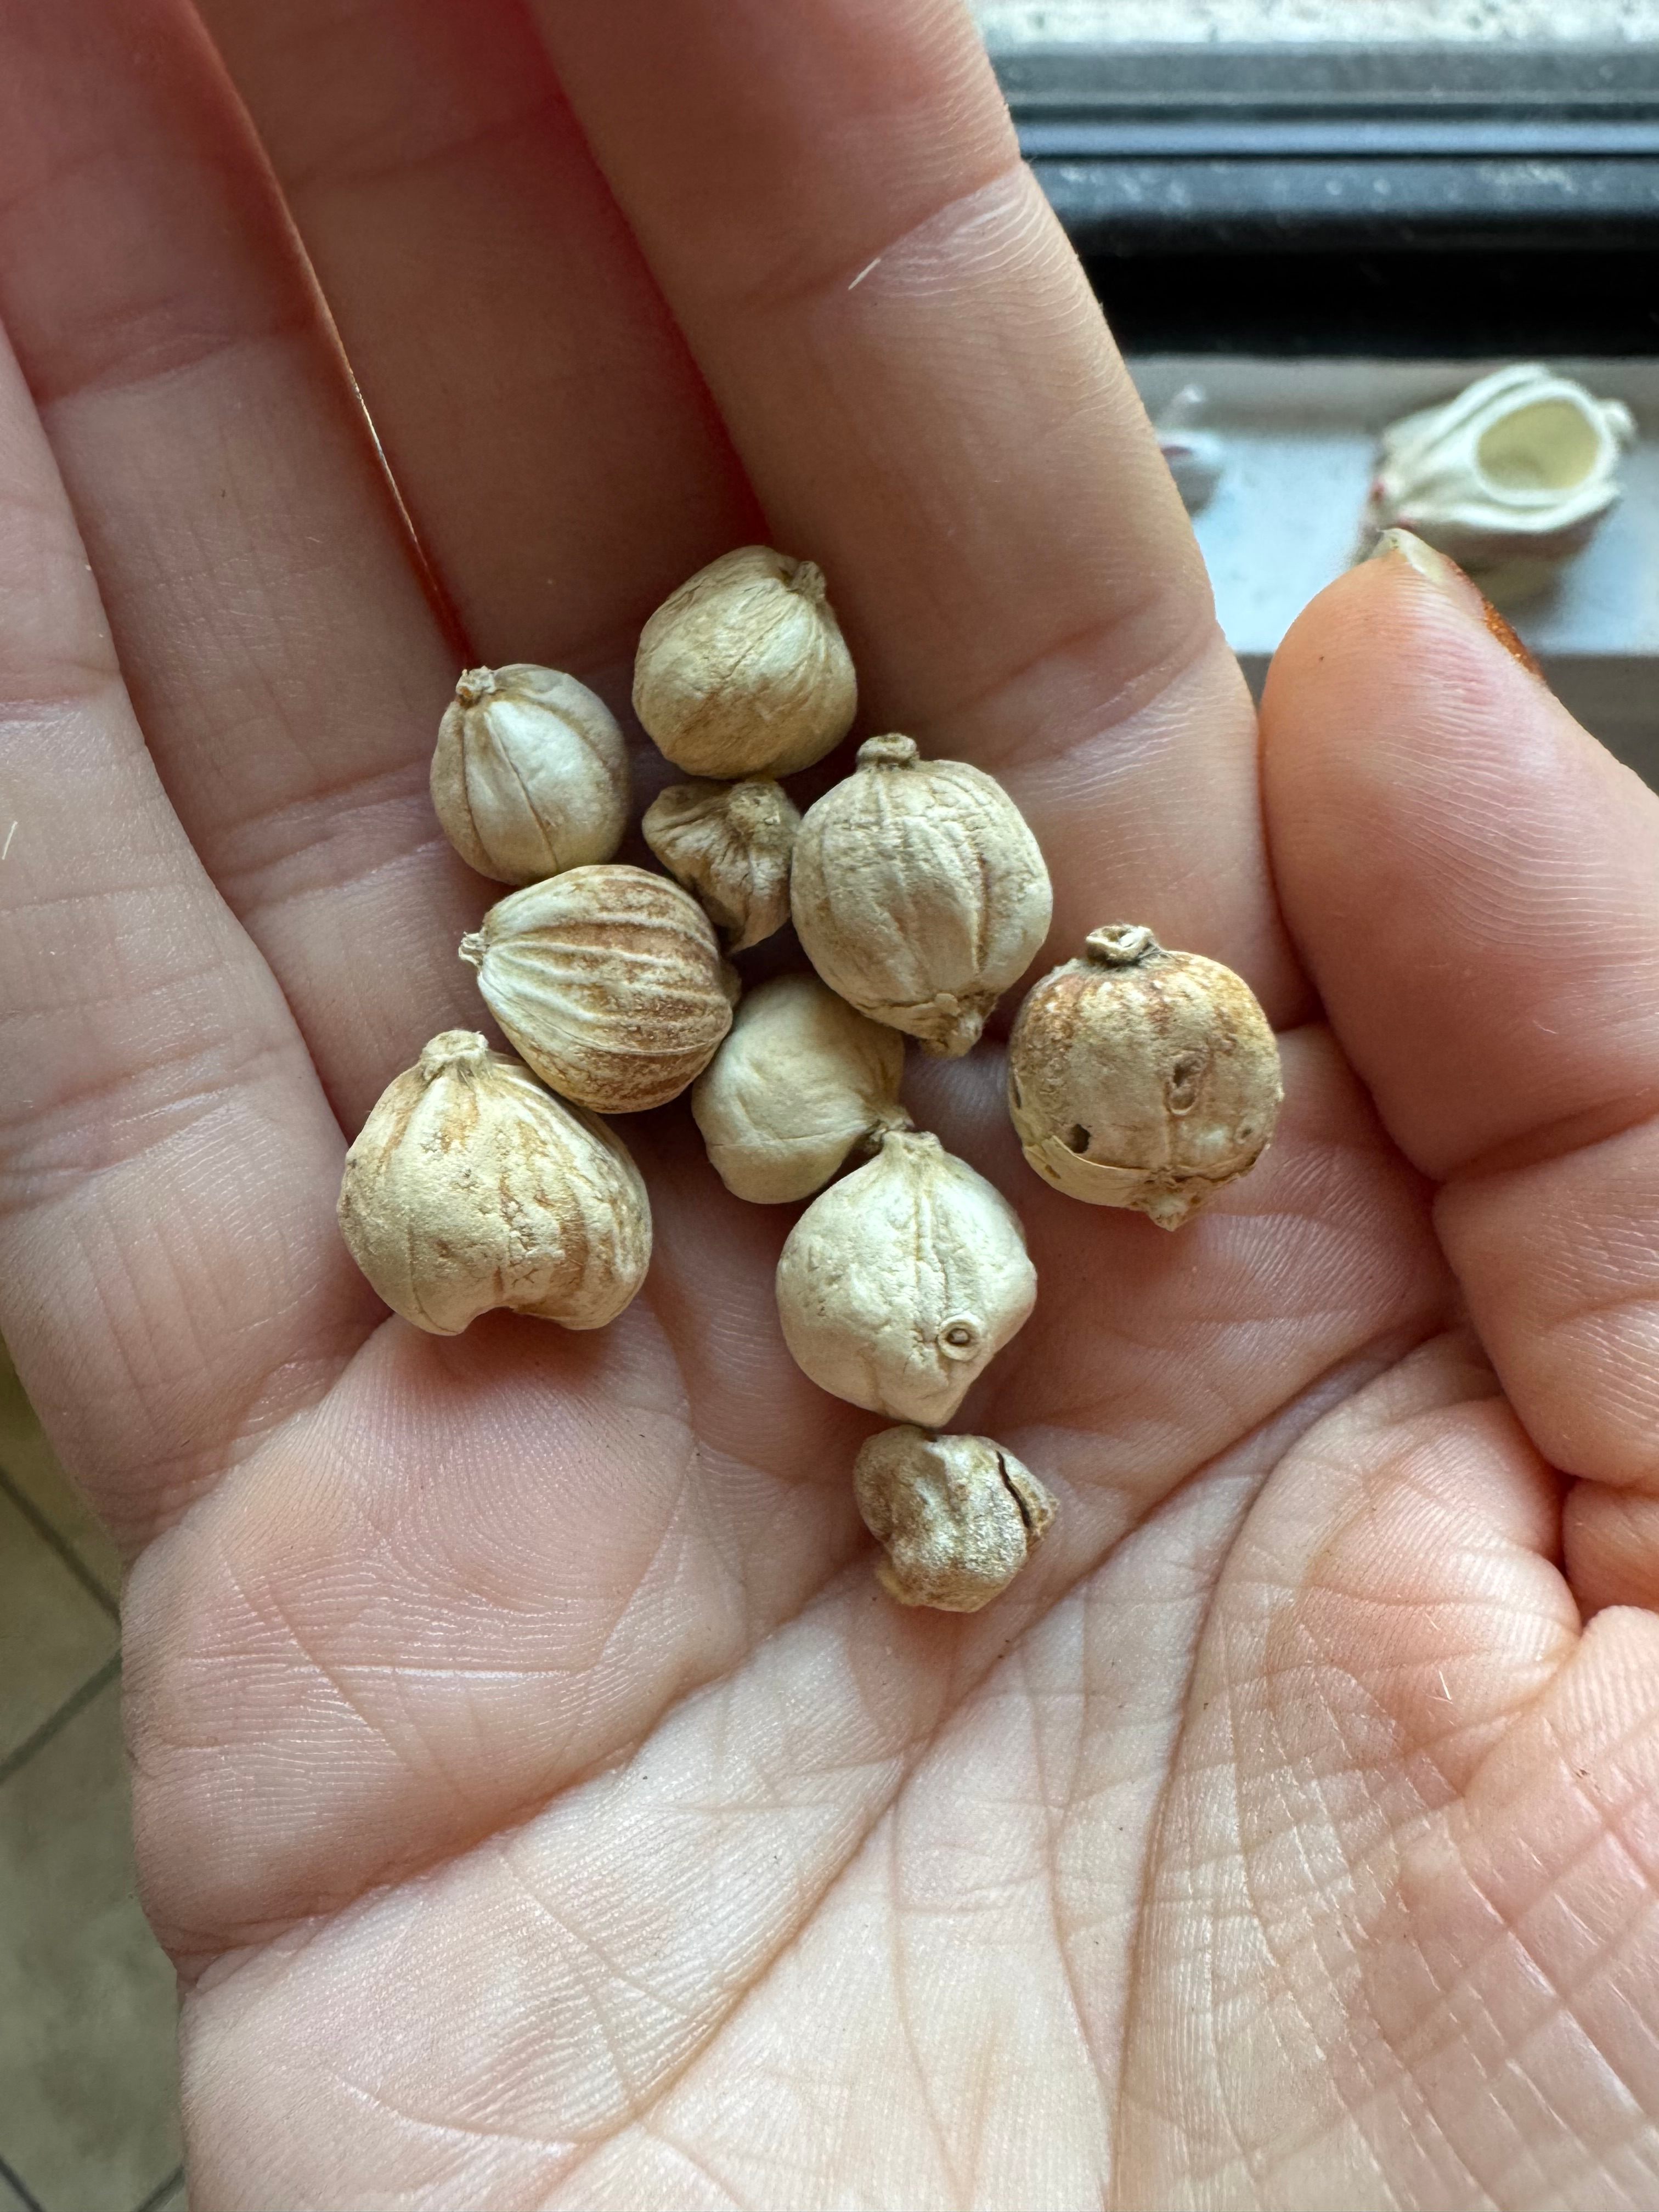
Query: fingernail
<point>1440,570</point>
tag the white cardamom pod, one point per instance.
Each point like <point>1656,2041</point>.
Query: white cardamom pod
<point>609,983</point>
<point>531,774</point>
<point>959,1516</point>
<point>899,1284</point>
<point>730,844</point>
<point>1142,1078</point>
<point>801,1079</point>
<point>744,671</point>
<point>469,1187</point>
<point>919,893</point>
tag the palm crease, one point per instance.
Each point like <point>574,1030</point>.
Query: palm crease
<point>541,1801</point>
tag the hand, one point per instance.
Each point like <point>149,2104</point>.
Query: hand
<point>541,1802</point>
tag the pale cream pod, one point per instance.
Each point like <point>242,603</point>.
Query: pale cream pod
<point>800,1081</point>
<point>957,1516</point>
<point>919,893</point>
<point>470,1189</point>
<point>1142,1078</point>
<point>531,774</point>
<point>730,845</point>
<point>743,670</point>
<point>609,980</point>
<point>899,1285</point>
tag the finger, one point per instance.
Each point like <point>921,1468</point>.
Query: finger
<point>1474,885</point>
<point>170,1276</point>
<point>490,299</point>
<point>919,383</point>
<point>275,632</point>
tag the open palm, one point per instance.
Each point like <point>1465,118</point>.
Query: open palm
<point>541,1801</point>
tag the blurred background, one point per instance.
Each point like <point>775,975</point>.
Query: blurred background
<point>1322,216</point>
<point>87,2075</point>
<point>1303,218</point>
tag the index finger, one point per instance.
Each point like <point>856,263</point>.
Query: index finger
<point>927,398</point>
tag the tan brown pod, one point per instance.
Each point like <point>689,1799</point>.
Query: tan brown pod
<point>608,981</point>
<point>531,774</point>
<point>919,893</point>
<point>743,670</point>
<point>470,1188</point>
<point>730,845</point>
<point>957,1516</point>
<point>1142,1078</point>
<point>800,1081</point>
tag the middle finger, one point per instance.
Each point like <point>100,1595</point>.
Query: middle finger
<point>549,432</point>
<point>927,398</point>
<point>279,643</point>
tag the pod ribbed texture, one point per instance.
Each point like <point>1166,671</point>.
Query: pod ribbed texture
<point>530,775</point>
<point>744,671</point>
<point>470,1189</point>
<point>609,980</point>
<point>729,844</point>
<point>919,893</point>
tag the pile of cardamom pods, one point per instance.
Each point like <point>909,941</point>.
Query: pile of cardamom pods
<point>1136,1076</point>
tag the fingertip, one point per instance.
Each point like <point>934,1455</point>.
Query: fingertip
<point>1471,880</point>
<point>1405,603</point>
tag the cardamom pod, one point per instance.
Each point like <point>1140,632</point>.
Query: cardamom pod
<point>743,670</point>
<point>919,893</point>
<point>900,1284</point>
<point>798,1083</point>
<point>531,774</point>
<point>609,983</point>
<point>730,845</point>
<point>1142,1078</point>
<point>959,1516</point>
<point>469,1187</point>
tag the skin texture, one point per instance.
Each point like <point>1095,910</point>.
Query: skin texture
<point>542,1804</point>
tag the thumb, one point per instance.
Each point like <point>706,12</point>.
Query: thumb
<point>1474,885</point>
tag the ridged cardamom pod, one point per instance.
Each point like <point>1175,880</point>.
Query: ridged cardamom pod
<point>959,1516</point>
<point>801,1079</point>
<point>730,845</point>
<point>919,893</point>
<point>531,774</point>
<point>1142,1078</point>
<point>469,1187</point>
<point>744,671</point>
<point>900,1284</point>
<point>609,980</point>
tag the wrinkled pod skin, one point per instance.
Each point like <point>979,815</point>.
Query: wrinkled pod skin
<point>919,893</point>
<point>529,777</point>
<point>730,845</point>
<point>799,1082</point>
<point>470,1189</point>
<point>901,1283</point>
<point>957,1516</point>
<point>743,670</point>
<point>1141,1077</point>
<point>609,980</point>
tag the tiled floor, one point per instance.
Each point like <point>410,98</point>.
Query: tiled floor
<point>88,2093</point>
